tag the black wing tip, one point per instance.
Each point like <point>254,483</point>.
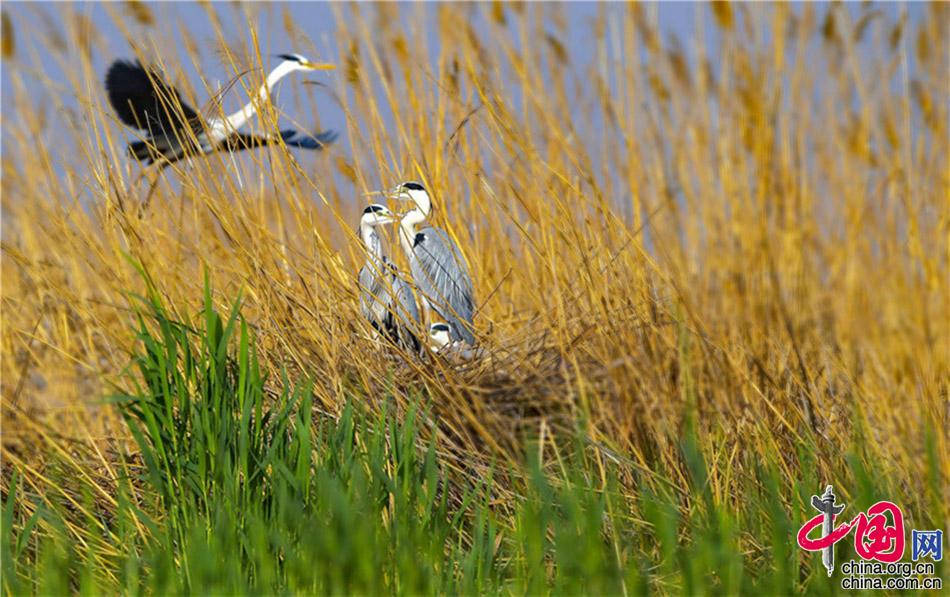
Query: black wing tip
<point>126,63</point>
<point>122,67</point>
<point>143,99</point>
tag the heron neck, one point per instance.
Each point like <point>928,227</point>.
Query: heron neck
<point>239,118</point>
<point>407,228</point>
<point>371,239</point>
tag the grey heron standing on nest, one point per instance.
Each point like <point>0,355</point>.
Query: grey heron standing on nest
<point>386,300</point>
<point>174,130</point>
<point>436,264</point>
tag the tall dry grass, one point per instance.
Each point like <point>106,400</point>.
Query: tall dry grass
<point>752,236</point>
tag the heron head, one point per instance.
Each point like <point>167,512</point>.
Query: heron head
<point>376,215</point>
<point>440,335</point>
<point>298,62</point>
<point>414,192</point>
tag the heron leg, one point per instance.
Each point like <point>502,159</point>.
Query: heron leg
<point>151,189</point>
<point>148,195</point>
<point>139,177</point>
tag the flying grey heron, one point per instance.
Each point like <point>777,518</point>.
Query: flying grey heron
<point>174,130</point>
<point>386,300</point>
<point>436,264</point>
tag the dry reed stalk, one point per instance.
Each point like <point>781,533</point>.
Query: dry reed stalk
<point>647,241</point>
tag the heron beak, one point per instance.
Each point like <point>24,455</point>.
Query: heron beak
<point>318,65</point>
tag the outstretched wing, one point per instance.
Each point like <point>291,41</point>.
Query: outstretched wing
<point>442,277</point>
<point>144,100</point>
<point>292,138</point>
<point>317,141</point>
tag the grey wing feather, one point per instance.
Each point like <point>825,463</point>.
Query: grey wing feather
<point>403,312</point>
<point>386,300</point>
<point>442,277</point>
<point>405,304</point>
<point>373,294</point>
